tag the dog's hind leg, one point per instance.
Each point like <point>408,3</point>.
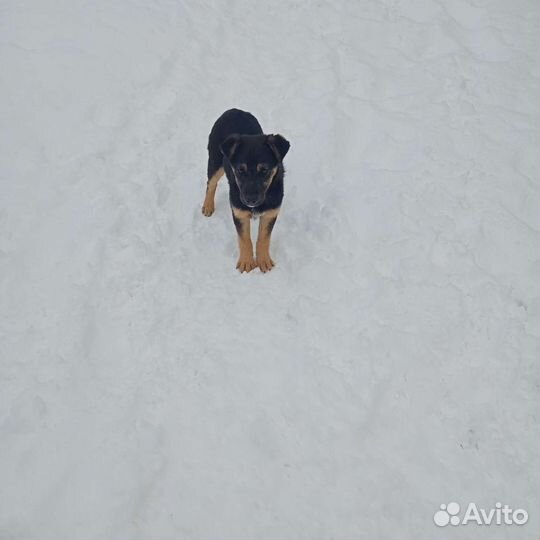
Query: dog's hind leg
<point>215,172</point>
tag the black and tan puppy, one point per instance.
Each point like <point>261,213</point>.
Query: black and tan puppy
<point>253,163</point>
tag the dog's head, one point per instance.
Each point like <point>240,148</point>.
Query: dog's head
<point>254,161</point>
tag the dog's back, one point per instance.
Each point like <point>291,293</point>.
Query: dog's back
<point>230,122</point>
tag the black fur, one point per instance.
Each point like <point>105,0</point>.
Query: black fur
<point>237,144</point>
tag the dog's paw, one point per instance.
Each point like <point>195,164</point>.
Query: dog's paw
<point>246,264</point>
<point>208,208</point>
<point>265,263</point>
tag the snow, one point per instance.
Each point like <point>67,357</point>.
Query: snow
<point>388,363</point>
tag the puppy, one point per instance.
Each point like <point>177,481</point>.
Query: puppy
<point>253,163</point>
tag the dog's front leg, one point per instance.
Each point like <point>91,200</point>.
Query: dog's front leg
<point>211,186</point>
<point>266,224</point>
<point>242,222</point>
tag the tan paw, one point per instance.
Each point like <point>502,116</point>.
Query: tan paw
<point>208,208</point>
<point>246,264</point>
<point>265,263</point>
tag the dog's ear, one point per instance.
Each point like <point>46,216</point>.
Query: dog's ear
<point>229,146</point>
<point>279,145</point>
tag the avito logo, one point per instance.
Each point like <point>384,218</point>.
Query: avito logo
<point>449,514</point>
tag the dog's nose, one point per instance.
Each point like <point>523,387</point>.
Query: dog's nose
<point>252,201</point>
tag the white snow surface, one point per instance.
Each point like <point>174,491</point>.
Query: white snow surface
<point>388,364</point>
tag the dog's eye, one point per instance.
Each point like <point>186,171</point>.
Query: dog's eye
<point>241,170</point>
<point>263,169</point>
